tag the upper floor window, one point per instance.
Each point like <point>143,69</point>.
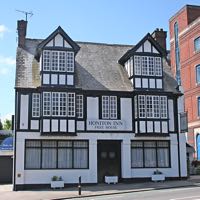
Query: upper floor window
<point>147,66</point>
<point>62,61</point>
<point>79,106</point>
<point>109,107</point>
<point>198,105</point>
<point>197,44</point>
<point>198,74</point>
<point>151,106</point>
<point>35,104</point>
<point>129,66</point>
<point>59,104</point>
<point>177,53</point>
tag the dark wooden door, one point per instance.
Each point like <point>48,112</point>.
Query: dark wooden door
<point>6,167</point>
<point>109,159</point>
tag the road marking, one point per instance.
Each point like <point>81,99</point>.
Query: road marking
<point>187,198</point>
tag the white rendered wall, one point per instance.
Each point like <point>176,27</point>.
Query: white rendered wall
<point>24,111</point>
<point>90,175</point>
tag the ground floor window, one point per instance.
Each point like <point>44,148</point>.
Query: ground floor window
<point>150,154</point>
<point>59,154</point>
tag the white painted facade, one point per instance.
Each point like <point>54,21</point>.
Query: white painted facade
<point>107,116</point>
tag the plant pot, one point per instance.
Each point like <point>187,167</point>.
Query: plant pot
<point>157,177</point>
<point>111,179</point>
<point>57,184</point>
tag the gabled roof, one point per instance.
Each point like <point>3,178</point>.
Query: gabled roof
<point>148,37</point>
<point>60,31</point>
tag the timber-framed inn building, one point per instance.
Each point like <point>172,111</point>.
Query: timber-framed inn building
<point>92,109</point>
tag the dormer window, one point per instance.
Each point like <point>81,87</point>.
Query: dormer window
<point>58,61</point>
<point>147,66</point>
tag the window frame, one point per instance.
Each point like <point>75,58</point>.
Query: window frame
<point>196,47</point>
<point>79,106</point>
<point>157,148</point>
<point>68,106</point>
<point>36,105</point>
<point>65,58</point>
<point>198,106</point>
<point>106,110</point>
<point>41,147</point>
<point>148,66</point>
<point>156,100</point>
<point>197,77</point>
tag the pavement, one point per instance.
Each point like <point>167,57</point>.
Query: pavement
<point>93,190</point>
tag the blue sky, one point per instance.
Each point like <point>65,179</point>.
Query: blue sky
<point>108,21</point>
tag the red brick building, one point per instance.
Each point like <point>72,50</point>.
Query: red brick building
<point>185,63</point>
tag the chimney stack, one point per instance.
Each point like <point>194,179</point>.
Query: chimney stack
<point>21,28</point>
<point>160,36</point>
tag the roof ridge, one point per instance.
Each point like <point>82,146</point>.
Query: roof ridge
<point>92,43</point>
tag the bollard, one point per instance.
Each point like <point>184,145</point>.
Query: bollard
<point>79,186</point>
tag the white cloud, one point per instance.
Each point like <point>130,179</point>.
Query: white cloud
<point>3,30</point>
<point>6,60</point>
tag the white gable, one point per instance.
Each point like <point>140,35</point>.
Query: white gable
<point>154,50</point>
<point>59,40</point>
<point>147,46</point>
<point>67,44</point>
<point>139,49</point>
<point>50,44</point>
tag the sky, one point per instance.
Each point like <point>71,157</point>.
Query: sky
<point>107,21</point>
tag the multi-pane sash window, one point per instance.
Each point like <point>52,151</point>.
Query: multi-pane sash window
<point>150,154</point>
<point>62,61</point>
<point>71,104</point>
<point>152,106</point>
<point>79,106</point>
<point>158,68</point>
<point>145,69</point>
<point>55,60</point>
<point>59,104</point>
<point>70,61</point>
<point>109,107</point>
<point>46,103</point>
<point>56,154</point>
<point>46,60</point>
<point>147,66</point>
<point>163,107</point>
<point>137,65</point>
<point>35,104</point>
<point>142,106</point>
